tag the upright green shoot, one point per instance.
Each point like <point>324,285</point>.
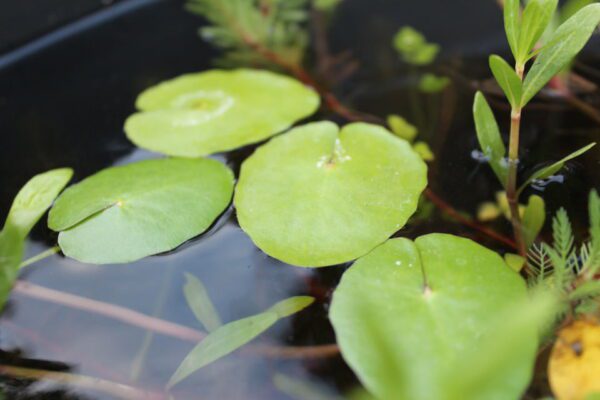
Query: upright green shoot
<point>523,31</point>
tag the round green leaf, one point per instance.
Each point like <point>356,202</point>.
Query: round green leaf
<point>122,214</point>
<point>209,112</point>
<point>319,196</point>
<point>409,316</point>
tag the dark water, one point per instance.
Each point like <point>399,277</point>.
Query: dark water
<point>63,103</point>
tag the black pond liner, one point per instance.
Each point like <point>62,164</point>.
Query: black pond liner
<point>64,96</point>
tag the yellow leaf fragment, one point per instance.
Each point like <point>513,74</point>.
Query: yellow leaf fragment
<point>574,367</point>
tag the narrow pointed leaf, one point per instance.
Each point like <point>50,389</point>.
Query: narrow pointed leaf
<point>536,18</point>
<point>234,335</point>
<point>533,219</point>
<point>564,44</point>
<point>512,22</point>
<point>34,199</point>
<point>489,137</point>
<point>508,80</point>
<point>554,168</point>
<point>200,303</point>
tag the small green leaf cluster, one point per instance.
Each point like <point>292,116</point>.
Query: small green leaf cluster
<point>565,268</point>
<point>523,32</point>
<point>414,49</point>
<point>240,27</point>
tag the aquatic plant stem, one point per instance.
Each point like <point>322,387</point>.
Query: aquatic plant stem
<point>511,185</point>
<point>116,389</point>
<point>512,193</point>
<point>39,257</point>
<point>456,215</point>
<point>161,326</point>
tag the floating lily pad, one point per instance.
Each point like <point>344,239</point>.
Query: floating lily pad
<point>319,196</point>
<point>209,112</point>
<point>409,314</point>
<point>122,214</point>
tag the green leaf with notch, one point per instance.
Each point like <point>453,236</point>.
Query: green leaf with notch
<point>488,135</point>
<point>406,314</point>
<point>122,214</point>
<point>234,335</point>
<point>512,24</point>
<point>550,170</point>
<point>214,111</point>
<point>536,18</point>
<point>562,47</point>
<point>508,80</point>
<point>319,196</point>
<point>534,218</point>
<point>199,302</point>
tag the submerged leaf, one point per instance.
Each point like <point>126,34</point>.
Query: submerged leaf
<point>406,314</point>
<point>563,45</point>
<point>200,303</point>
<point>318,196</point>
<point>234,335</point>
<point>209,112</point>
<point>488,135</point>
<point>34,199</point>
<point>122,214</point>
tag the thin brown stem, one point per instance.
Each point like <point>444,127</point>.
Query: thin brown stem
<point>459,217</point>
<point>116,389</point>
<point>158,325</point>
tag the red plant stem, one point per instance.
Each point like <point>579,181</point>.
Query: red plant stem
<point>157,325</point>
<point>87,382</point>
<point>301,74</point>
<point>453,213</point>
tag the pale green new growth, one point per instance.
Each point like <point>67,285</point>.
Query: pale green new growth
<point>318,195</point>
<point>234,335</point>
<point>122,214</point>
